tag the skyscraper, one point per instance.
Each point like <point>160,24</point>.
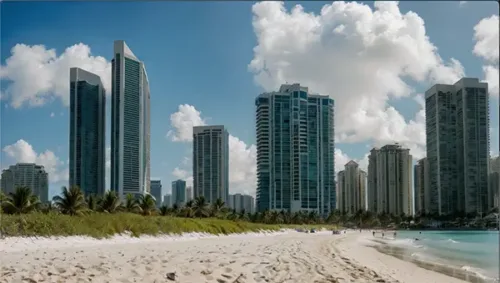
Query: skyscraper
<point>241,203</point>
<point>352,189</point>
<point>130,122</point>
<point>457,128</point>
<point>26,175</point>
<point>295,150</point>
<point>156,192</point>
<point>179,192</point>
<point>421,179</point>
<point>390,180</point>
<point>87,132</point>
<point>494,183</point>
<point>211,162</point>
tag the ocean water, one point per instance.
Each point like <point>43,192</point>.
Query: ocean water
<point>474,251</point>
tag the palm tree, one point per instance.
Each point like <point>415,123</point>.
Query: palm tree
<point>92,202</point>
<point>48,208</point>
<point>164,210</point>
<point>200,207</point>
<point>21,201</point>
<point>217,208</point>
<point>71,201</point>
<point>110,202</point>
<point>188,209</point>
<point>131,204</point>
<point>147,204</point>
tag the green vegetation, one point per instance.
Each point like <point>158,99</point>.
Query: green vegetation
<point>72,214</point>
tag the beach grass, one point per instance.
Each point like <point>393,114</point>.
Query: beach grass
<point>103,225</point>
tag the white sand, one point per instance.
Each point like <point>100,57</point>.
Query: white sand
<point>276,257</point>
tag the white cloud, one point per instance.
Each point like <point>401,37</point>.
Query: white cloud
<point>52,115</point>
<point>22,151</point>
<point>242,157</point>
<point>462,3</point>
<point>37,75</point>
<point>486,34</point>
<point>183,122</point>
<point>359,56</point>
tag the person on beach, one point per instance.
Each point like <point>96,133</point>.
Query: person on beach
<point>394,235</point>
<point>382,234</point>
<point>373,233</point>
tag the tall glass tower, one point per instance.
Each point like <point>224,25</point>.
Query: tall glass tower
<point>130,123</point>
<point>87,132</point>
<point>211,163</point>
<point>295,151</point>
<point>458,147</point>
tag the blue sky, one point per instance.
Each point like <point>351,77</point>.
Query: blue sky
<point>374,60</point>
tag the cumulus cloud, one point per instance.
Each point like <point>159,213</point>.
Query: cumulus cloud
<point>361,57</point>
<point>37,75</point>
<point>242,157</point>
<point>22,152</point>
<point>183,122</point>
<point>486,34</point>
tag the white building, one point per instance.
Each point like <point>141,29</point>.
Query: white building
<point>351,190</point>
<point>189,193</point>
<point>130,123</point>
<point>211,162</point>
<point>390,180</point>
<point>26,175</point>
<point>167,200</point>
<point>422,194</point>
<point>241,203</point>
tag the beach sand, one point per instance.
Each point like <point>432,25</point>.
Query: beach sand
<point>276,257</point>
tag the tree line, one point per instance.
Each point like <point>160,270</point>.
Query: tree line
<point>72,201</point>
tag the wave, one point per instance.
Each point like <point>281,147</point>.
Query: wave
<point>452,241</point>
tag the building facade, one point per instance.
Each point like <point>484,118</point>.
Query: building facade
<point>156,192</point>
<point>457,129</point>
<point>87,161</point>
<point>189,193</point>
<point>421,182</point>
<point>211,163</point>
<point>130,123</point>
<point>26,175</point>
<point>167,200</point>
<point>351,191</point>
<point>242,203</point>
<point>295,151</point>
<point>494,183</point>
<point>179,192</point>
<point>390,187</point>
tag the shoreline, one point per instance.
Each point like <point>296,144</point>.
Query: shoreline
<point>284,256</point>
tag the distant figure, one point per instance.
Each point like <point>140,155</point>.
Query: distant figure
<point>373,233</point>
<point>382,234</point>
<point>420,232</point>
<point>394,235</point>
<point>359,230</point>
<point>416,239</point>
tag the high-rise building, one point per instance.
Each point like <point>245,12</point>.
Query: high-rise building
<point>87,132</point>
<point>494,183</point>
<point>189,193</point>
<point>156,192</point>
<point>241,203</point>
<point>351,192</point>
<point>390,180</point>
<point>130,123</point>
<point>457,129</point>
<point>26,175</point>
<point>179,192</point>
<point>421,180</point>
<point>167,200</point>
<point>295,150</point>
<point>211,162</point>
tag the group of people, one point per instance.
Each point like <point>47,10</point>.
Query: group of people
<point>383,234</point>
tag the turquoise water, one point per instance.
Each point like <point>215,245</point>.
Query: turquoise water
<point>476,251</point>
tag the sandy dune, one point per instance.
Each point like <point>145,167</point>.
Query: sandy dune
<point>285,258</point>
